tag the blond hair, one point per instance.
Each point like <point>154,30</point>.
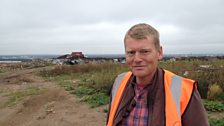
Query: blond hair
<point>142,31</point>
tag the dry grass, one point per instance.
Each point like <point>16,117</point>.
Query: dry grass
<point>214,91</point>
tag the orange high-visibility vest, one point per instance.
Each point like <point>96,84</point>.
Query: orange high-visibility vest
<point>178,92</point>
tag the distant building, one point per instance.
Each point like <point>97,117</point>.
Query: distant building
<point>77,55</point>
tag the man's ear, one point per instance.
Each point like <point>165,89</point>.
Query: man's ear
<point>160,52</point>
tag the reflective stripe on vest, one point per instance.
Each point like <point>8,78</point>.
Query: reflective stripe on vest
<point>178,91</point>
<point>116,85</point>
<point>118,94</point>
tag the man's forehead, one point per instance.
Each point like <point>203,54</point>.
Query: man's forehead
<point>140,38</point>
<point>140,49</point>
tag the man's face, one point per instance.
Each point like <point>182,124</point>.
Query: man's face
<point>142,56</point>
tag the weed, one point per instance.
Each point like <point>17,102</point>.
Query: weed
<point>98,78</point>
<point>216,122</point>
<point>214,91</point>
<point>221,97</point>
<point>15,97</point>
<point>82,91</point>
<point>96,99</point>
<point>105,110</point>
<point>4,69</point>
<point>214,106</point>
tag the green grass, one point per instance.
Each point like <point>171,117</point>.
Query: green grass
<point>215,111</point>
<point>214,106</point>
<point>216,122</point>
<point>4,69</point>
<point>15,97</point>
<point>96,99</point>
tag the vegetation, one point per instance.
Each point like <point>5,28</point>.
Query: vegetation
<point>92,82</point>
<point>216,122</point>
<point>214,91</point>
<point>4,69</point>
<point>214,106</point>
<point>20,66</point>
<point>17,96</point>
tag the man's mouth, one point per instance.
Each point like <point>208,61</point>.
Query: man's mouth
<point>138,67</point>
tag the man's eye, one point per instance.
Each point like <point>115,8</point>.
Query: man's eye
<point>144,51</point>
<point>131,52</point>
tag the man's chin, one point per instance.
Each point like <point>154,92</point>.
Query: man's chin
<point>138,73</point>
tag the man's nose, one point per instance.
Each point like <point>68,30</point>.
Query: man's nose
<point>137,57</point>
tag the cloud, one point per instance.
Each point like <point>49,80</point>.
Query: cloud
<point>55,26</point>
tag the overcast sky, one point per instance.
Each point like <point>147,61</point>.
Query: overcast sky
<point>99,26</point>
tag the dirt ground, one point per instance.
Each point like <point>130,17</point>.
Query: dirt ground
<point>53,107</point>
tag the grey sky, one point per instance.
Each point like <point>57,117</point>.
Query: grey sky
<point>98,26</point>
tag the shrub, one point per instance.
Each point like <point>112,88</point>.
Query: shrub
<point>214,91</point>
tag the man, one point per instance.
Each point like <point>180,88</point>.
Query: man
<point>149,95</point>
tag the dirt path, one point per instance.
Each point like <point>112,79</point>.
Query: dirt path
<point>53,107</point>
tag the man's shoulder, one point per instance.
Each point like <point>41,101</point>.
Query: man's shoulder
<point>121,75</point>
<point>119,78</point>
